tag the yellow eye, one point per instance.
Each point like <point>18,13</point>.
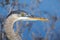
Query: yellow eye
<point>23,14</point>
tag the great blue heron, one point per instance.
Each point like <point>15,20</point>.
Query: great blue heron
<point>12,18</point>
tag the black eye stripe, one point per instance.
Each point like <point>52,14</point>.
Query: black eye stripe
<point>15,12</point>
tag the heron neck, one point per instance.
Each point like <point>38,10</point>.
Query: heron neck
<point>9,29</point>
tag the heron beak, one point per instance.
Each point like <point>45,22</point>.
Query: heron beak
<point>38,19</point>
<point>31,19</point>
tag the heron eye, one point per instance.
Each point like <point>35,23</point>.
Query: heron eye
<point>22,14</point>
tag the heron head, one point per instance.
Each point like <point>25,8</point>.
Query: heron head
<point>21,15</point>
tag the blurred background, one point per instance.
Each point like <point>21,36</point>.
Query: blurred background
<point>34,30</point>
